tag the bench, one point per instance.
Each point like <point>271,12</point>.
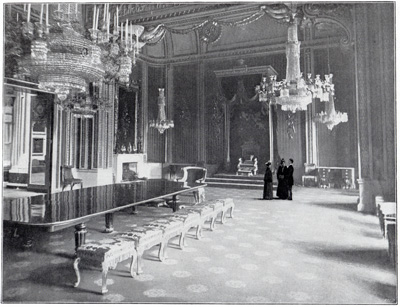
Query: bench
<point>133,243</point>
<point>208,210</point>
<point>144,237</point>
<point>386,212</point>
<point>170,228</point>
<point>104,256</point>
<point>190,220</point>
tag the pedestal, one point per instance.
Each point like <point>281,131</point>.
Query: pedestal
<point>366,203</point>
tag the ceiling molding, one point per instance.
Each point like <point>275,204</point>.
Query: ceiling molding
<point>244,70</point>
<point>190,14</point>
<point>236,53</point>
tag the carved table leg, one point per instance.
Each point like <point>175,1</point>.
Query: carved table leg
<point>80,235</point>
<point>174,203</point>
<point>76,268</point>
<point>27,234</point>
<point>109,223</point>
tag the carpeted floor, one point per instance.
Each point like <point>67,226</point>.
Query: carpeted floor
<point>314,250</point>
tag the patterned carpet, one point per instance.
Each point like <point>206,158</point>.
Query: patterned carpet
<point>314,250</point>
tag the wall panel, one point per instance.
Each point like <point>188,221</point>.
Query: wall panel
<point>155,140</point>
<point>185,106</point>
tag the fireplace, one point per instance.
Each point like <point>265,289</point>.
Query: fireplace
<point>129,171</point>
<point>127,166</point>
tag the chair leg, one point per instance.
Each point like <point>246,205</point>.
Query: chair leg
<point>198,231</point>
<point>162,251</point>
<point>104,281</point>
<point>182,240</point>
<point>132,269</point>
<point>223,217</point>
<point>139,259</point>
<point>76,268</point>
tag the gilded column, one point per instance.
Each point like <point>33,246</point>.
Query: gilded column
<point>145,107</point>
<point>201,124</point>
<point>311,128</point>
<point>169,133</point>
<point>21,139</point>
<point>363,102</point>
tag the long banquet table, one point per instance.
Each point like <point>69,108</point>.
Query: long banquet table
<point>60,210</point>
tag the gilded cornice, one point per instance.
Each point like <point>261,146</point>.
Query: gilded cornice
<point>189,14</point>
<point>237,52</point>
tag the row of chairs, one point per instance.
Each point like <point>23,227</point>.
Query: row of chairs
<point>133,243</point>
<point>386,212</point>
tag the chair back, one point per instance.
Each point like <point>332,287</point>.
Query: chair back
<point>66,173</point>
<point>192,174</point>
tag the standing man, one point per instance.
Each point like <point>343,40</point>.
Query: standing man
<point>289,179</point>
<point>268,182</point>
<point>282,190</point>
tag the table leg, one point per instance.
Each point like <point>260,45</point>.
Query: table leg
<point>109,223</point>
<point>174,203</point>
<point>27,237</point>
<point>80,235</point>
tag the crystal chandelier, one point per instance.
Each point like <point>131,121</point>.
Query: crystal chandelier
<point>161,123</point>
<point>294,93</point>
<point>330,117</point>
<point>62,60</point>
<point>121,42</point>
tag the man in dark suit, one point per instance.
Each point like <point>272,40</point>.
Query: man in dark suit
<point>289,179</point>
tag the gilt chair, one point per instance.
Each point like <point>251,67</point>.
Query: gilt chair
<point>194,174</point>
<point>67,178</point>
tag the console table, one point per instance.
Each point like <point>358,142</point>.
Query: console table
<point>331,177</point>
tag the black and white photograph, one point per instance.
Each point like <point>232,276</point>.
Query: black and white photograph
<point>201,152</point>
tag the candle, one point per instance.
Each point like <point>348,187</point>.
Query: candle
<point>122,31</point>
<point>76,8</point>
<point>47,14</point>
<point>117,15</point>
<point>94,16</point>
<point>97,18</point>
<point>58,8</point>
<point>41,13</point>
<point>17,16</point>
<point>108,25</point>
<point>104,14</point>
<point>24,7</point>
<point>137,41</point>
<point>131,34</point>
<point>126,32</point>
<point>29,13</point>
